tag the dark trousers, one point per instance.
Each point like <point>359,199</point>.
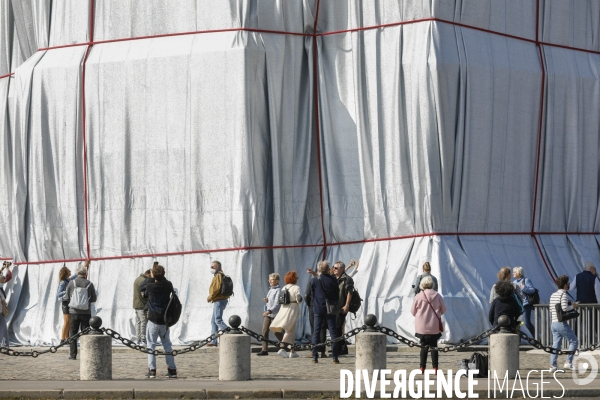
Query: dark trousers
<point>323,334</point>
<point>429,340</point>
<point>77,321</point>
<point>527,319</point>
<point>319,320</point>
<point>339,325</point>
<point>265,332</point>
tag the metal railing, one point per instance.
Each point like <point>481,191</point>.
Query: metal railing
<point>586,326</point>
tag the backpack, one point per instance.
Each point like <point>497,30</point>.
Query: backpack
<point>80,298</point>
<point>173,311</point>
<point>479,362</point>
<point>355,302</point>
<point>226,286</point>
<point>284,296</point>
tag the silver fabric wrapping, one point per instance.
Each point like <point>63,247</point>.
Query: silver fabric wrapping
<point>203,146</point>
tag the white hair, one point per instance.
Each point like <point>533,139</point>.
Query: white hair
<point>81,269</point>
<point>519,271</point>
<point>589,265</point>
<point>426,283</point>
<point>274,276</point>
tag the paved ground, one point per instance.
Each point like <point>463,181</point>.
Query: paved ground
<point>54,376</point>
<point>203,364</point>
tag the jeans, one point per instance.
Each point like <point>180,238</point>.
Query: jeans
<point>562,330</point>
<point>323,333</point>
<point>527,319</point>
<point>217,317</point>
<point>141,320</point>
<point>153,332</point>
<point>319,322</point>
<point>3,331</point>
<point>77,321</point>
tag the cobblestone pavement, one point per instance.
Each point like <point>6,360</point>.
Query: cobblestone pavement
<point>203,364</point>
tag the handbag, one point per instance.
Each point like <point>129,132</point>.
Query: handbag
<point>440,325</point>
<point>4,309</point>
<point>561,315</point>
<point>332,309</point>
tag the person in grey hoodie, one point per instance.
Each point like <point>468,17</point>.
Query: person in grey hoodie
<point>79,317</point>
<point>271,309</point>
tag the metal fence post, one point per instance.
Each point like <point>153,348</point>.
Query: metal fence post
<point>96,354</point>
<point>234,353</point>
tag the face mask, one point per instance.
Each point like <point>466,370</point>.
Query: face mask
<point>213,271</point>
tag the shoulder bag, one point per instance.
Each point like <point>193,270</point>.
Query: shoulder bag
<point>561,315</point>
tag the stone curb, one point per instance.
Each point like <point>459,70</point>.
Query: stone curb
<point>237,394</point>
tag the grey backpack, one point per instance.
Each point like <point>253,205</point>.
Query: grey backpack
<point>80,298</point>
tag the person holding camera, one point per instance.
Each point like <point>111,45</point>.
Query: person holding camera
<point>5,276</point>
<point>426,272</point>
<point>325,297</point>
<point>346,286</point>
<point>562,329</point>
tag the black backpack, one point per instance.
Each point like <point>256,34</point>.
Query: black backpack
<point>284,296</point>
<point>226,286</point>
<point>355,302</point>
<point>479,362</point>
<point>173,311</point>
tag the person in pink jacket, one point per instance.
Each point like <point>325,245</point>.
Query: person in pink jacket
<point>428,308</point>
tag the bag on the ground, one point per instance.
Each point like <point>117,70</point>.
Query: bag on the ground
<point>80,298</point>
<point>355,302</point>
<point>564,315</point>
<point>533,298</point>
<point>284,296</point>
<point>479,362</point>
<point>173,311</point>
<point>226,286</point>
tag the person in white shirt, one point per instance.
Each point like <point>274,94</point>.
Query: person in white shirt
<point>562,330</point>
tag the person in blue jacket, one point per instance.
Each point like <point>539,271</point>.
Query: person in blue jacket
<point>526,287</point>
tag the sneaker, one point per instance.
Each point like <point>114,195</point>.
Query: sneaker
<point>171,373</point>
<point>72,358</point>
<point>262,353</point>
<point>568,366</point>
<point>211,345</point>
<point>294,355</point>
<point>315,361</point>
<point>553,369</point>
<point>283,353</point>
<point>151,373</point>
<point>336,361</point>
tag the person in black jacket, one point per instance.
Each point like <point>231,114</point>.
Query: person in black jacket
<point>505,304</point>
<point>311,315</point>
<point>324,290</point>
<point>158,290</point>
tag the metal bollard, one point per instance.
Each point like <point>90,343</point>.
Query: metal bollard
<point>234,353</point>
<point>504,351</point>
<point>371,347</point>
<point>96,354</point>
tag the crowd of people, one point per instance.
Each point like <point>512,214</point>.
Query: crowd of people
<point>328,295</point>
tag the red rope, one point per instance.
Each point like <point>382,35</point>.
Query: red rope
<point>539,139</point>
<point>7,75</point>
<point>314,34</point>
<point>317,130</point>
<point>300,246</point>
<point>83,119</point>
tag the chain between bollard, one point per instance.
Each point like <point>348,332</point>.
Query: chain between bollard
<point>132,345</point>
<point>310,346</point>
<point>52,349</point>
